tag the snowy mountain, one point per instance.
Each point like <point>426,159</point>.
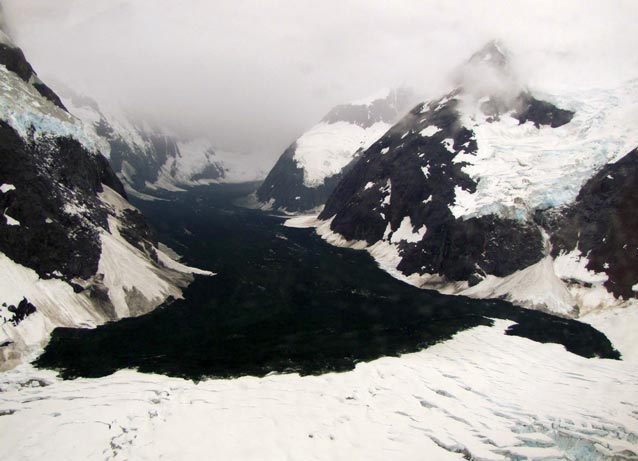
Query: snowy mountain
<point>147,157</point>
<point>73,251</point>
<point>497,191</point>
<point>307,172</point>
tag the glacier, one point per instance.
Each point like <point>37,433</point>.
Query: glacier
<point>519,168</point>
<point>31,115</point>
<point>481,395</point>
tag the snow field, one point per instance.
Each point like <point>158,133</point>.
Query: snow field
<point>481,394</point>
<point>327,148</point>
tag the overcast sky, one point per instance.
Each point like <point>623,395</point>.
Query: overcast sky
<point>253,74</point>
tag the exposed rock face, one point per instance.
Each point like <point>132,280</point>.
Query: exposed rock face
<point>478,186</point>
<point>307,172</point>
<point>55,201</point>
<point>541,112</point>
<point>602,224</point>
<point>14,60</point>
<point>407,174</point>
<point>73,251</point>
<point>19,312</point>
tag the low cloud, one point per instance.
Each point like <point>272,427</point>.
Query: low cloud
<point>252,75</point>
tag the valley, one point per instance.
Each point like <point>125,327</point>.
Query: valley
<point>283,301</point>
<point>265,231</point>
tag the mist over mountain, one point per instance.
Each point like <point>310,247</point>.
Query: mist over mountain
<point>253,76</point>
<point>441,264</point>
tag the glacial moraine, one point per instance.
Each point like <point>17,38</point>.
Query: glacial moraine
<point>283,301</point>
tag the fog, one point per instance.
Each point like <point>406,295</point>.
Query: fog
<point>252,75</point>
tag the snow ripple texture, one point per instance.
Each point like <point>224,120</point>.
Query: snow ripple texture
<point>481,395</point>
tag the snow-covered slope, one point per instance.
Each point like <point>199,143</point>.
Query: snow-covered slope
<point>495,191</point>
<point>520,168</point>
<point>73,251</point>
<point>308,170</point>
<point>481,395</point>
<point>147,157</point>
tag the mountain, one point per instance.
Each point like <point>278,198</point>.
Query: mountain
<point>73,251</point>
<point>307,172</point>
<point>148,157</point>
<point>495,190</point>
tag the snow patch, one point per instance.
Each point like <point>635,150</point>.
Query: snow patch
<point>406,232</point>
<point>75,209</point>
<point>4,188</point>
<point>387,193</point>
<point>166,259</point>
<point>385,253</point>
<point>10,221</point>
<point>573,266</point>
<point>538,286</point>
<point>464,202</point>
<point>303,222</point>
<point>115,201</point>
<point>429,131</point>
<point>448,143</point>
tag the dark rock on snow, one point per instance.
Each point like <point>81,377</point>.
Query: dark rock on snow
<point>284,186</point>
<point>602,224</point>
<point>412,174</point>
<point>418,174</point>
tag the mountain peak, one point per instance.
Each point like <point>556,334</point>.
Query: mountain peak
<point>493,53</point>
<point>489,73</point>
<point>383,106</point>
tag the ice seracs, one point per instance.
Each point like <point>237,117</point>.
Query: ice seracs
<point>496,184</point>
<point>30,114</point>
<point>519,168</point>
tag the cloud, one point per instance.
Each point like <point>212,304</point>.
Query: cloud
<point>253,74</point>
